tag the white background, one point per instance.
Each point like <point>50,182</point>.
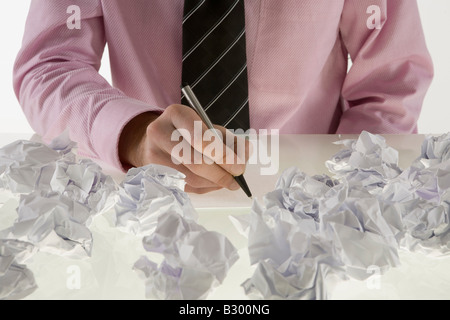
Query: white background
<point>435,116</point>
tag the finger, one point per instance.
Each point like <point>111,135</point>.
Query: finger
<point>157,156</point>
<point>204,140</point>
<point>191,189</point>
<point>240,144</point>
<point>192,160</point>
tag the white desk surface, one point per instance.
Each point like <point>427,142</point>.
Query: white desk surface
<point>108,273</point>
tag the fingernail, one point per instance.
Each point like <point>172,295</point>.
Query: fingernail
<point>236,170</point>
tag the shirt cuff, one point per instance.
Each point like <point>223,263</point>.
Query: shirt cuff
<point>108,126</point>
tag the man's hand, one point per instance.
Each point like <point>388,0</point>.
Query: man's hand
<point>147,139</point>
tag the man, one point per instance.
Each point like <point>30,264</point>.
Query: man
<point>297,59</point>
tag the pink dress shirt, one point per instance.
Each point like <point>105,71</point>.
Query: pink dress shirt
<point>297,53</point>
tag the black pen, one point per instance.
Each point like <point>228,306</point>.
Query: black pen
<point>196,105</point>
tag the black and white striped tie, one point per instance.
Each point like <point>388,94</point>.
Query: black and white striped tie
<point>214,59</point>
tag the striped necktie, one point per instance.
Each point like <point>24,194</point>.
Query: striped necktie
<point>214,59</point>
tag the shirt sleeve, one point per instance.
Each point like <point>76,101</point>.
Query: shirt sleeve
<point>57,83</point>
<point>391,67</point>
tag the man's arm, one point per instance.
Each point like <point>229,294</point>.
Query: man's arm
<point>392,69</point>
<point>57,82</point>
